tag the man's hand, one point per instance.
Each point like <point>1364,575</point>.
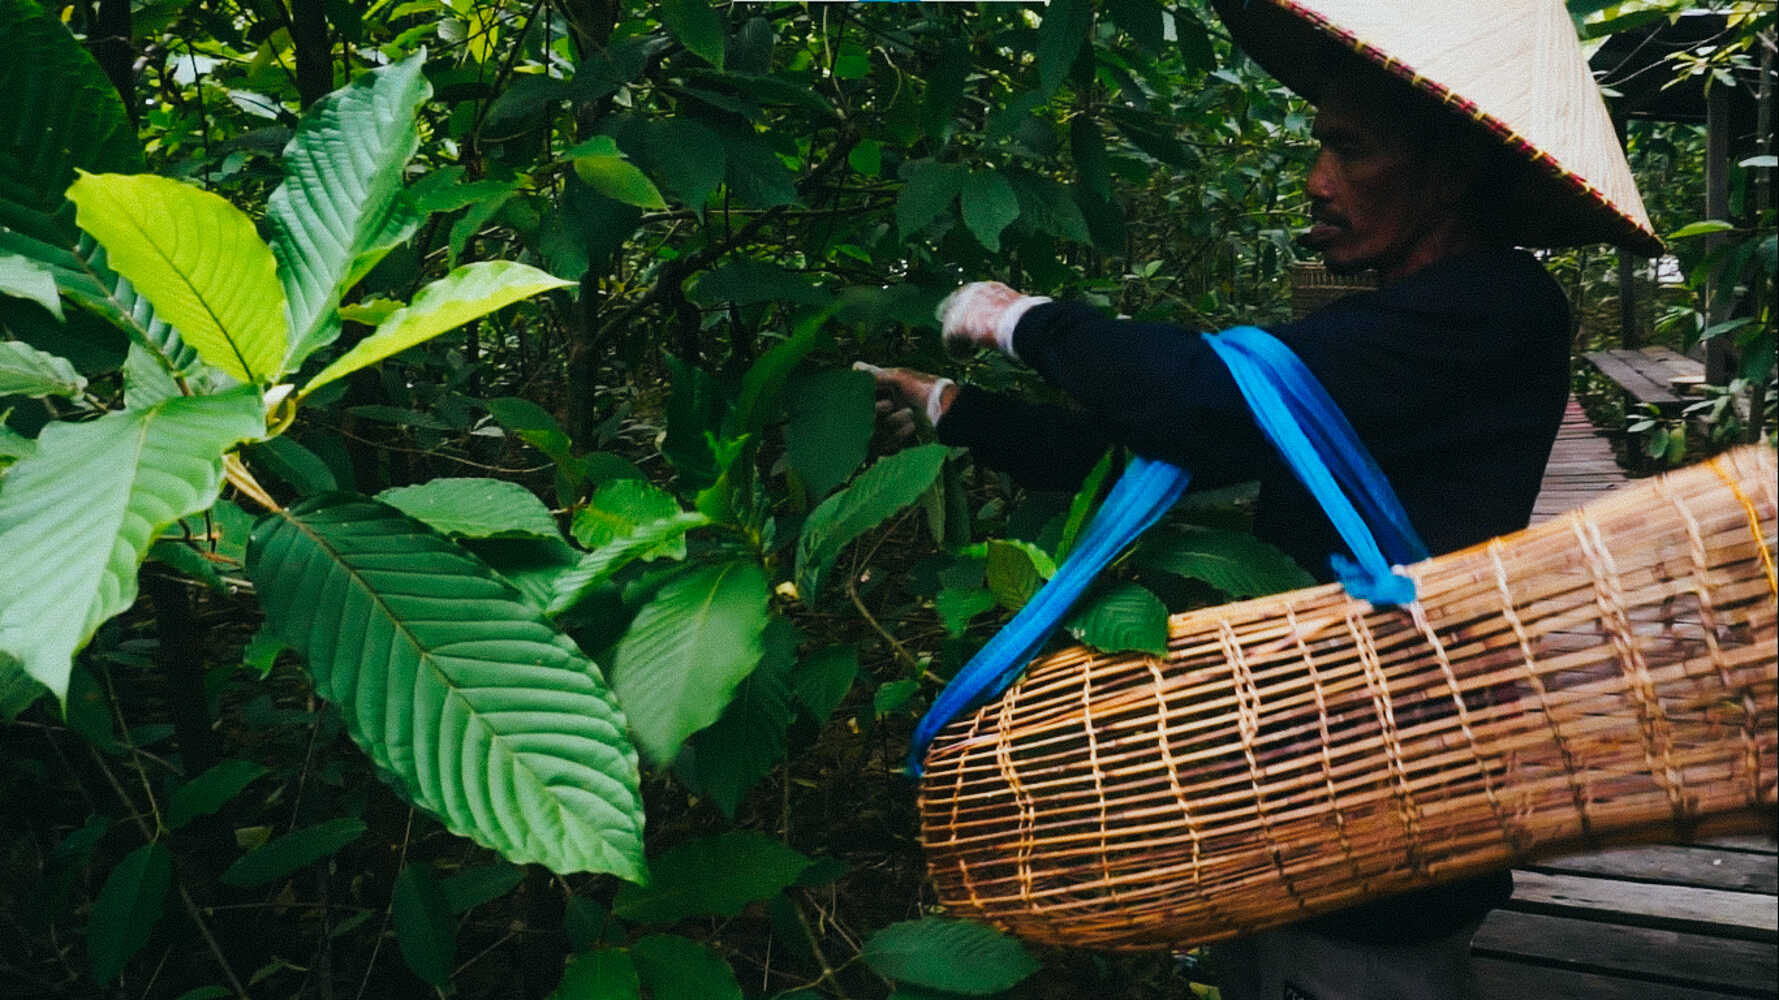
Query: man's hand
<point>907,398</point>
<point>983,314</point>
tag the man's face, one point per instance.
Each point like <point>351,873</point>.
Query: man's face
<point>1375,196</point>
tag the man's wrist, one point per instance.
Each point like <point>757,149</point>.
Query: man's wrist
<point>1009,321</point>
<point>939,400</point>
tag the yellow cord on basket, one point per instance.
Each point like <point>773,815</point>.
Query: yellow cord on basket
<point>1760,538</point>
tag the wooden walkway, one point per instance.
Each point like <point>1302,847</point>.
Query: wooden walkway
<point>1690,921</point>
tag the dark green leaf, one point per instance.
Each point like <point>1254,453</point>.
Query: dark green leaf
<point>605,974</point>
<point>745,282</point>
<point>1141,20</point>
<point>957,956</point>
<point>945,88</point>
<point>888,486</point>
<point>1195,41</point>
<point>1082,503</point>
<point>423,925</point>
<point>989,207</point>
<point>829,432</point>
<point>210,791</point>
<point>128,907</point>
<point>294,850</point>
<point>823,679</point>
<point>1060,36</point>
<point>711,876</point>
<point>698,26</point>
<point>470,887</point>
<point>569,587</point>
<point>763,385</point>
<point>294,465</point>
<point>755,173</point>
<point>687,158</point>
<point>956,606</point>
<point>1124,617</point>
<point>928,192</point>
<point>694,411</point>
<point>677,968</point>
<point>1234,562</point>
<point>1016,570</point>
<point>1089,149</point>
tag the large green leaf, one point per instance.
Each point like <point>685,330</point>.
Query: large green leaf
<point>679,663</point>
<point>1234,562</point>
<point>26,371</point>
<point>763,384</point>
<point>989,207</point>
<point>599,163</point>
<point>727,758</point>
<point>678,968</point>
<point>1061,34</point>
<point>889,485</point>
<point>829,431</point>
<point>78,516</point>
<point>712,876</point>
<point>928,193</point>
<point>341,205</point>
<point>486,714</point>
<point>199,262</point>
<point>423,926</point>
<point>24,278</point>
<point>297,849</point>
<point>1124,617</point>
<point>470,292</point>
<point>687,157</point>
<point>128,907</point>
<point>475,508</point>
<point>957,956</point>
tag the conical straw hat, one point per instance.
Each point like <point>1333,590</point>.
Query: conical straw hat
<point>1514,67</point>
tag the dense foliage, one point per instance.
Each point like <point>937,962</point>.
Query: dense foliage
<point>527,607</point>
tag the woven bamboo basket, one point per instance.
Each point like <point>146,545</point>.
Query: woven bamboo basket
<point>1604,677</point>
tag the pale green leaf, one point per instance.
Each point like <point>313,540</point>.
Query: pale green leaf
<point>24,278</point>
<point>605,974</point>
<point>27,371</point>
<point>1704,227</point>
<point>989,207</point>
<point>879,492</point>
<point>711,876</point>
<point>341,206</point>
<point>1124,617</point>
<point>698,26</point>
<point>475,508</point>
<point>487,715</point>
<point>297,849</point>
<point>678,968</point>
<point>1234,562</point>
<point>78,516</point>
<point>128,907</point>
<point>618,508</point>
<point>210,791</point>
<point>599,163</point>
<point>469,292</point>
<point>598,566</point>
<point>678,664</point>
<point>423,926</point>
<point>199,262</point>
<point>957,956</point>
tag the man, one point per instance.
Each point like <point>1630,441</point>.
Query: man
<point>1454,372</point>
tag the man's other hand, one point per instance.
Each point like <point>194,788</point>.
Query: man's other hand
<point>983,314</point>
<point>907,398</point>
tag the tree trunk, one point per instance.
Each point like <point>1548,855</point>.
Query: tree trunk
<point>314,60</point>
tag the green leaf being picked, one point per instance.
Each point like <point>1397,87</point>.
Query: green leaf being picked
<point>475,508</point>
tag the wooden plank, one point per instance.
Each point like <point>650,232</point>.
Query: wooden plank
<point>1673,864</point>
<point>1745,915</point>
<point>1653,955</point>
<point>1762,843</point>
<point>1620,367</point>
<point>1514,981</point>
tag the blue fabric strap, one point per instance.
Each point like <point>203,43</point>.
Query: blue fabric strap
<point>1315,439</point>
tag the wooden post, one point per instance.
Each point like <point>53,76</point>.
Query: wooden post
<point>1719,296</point>
<point>1628,332</point>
